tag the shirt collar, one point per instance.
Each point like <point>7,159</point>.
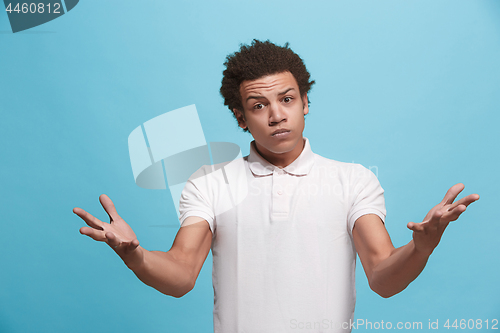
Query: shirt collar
<point>300,167</point>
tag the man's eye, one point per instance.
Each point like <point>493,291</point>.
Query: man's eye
<point>287,99</point>
<point>258,106</point>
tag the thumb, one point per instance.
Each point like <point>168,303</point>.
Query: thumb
<point>416,227</point>
<point>132,246</point>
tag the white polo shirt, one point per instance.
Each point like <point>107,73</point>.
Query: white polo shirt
<point>283,255</point>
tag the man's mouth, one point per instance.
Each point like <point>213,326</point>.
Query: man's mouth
<point>280,132</point>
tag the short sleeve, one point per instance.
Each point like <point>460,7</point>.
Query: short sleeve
<point>194,202</point>
<point>367,196</point>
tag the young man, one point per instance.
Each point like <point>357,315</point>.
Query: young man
<point>285,254</point>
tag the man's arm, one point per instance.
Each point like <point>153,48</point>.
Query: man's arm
<point>390,270</point>
<point>173,272</point>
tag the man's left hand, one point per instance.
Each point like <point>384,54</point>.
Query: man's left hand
<point>427,234</point>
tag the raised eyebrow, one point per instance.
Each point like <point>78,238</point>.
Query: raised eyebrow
<point>254,97</point>
<point>261,97</point>
<point>284,92</point>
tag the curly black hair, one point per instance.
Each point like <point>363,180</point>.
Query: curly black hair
<point>257,60</point>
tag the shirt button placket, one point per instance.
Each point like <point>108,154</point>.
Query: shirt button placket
<point>280,201</point>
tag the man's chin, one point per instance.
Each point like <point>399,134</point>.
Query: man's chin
<point>283,148</point>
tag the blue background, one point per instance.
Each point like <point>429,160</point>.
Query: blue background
<point>410,89</point>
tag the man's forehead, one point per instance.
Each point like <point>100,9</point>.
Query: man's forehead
<point>269,83</point>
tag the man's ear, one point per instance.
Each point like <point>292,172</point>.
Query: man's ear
<point>305,103</point>
<point>240,116</point>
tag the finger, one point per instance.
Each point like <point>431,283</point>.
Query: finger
<point>118,245</point>
<point>109,207</point>
<point>93,233</point>
<point>452,193</point>
<point>466,201</point>
<point>435,218</point>
<point>89,219</point>
<point>112,240</point>
<point>454,214</point>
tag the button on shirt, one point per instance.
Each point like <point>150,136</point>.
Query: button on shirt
<point>283,256</point>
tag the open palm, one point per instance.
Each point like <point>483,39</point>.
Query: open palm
<point>117,233</point>
<point>427,234</point>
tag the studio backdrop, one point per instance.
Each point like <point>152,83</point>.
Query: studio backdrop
<point>409,89</point>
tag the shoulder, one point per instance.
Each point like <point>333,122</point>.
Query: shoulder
<point>217,174</point>
<point>343,169</point>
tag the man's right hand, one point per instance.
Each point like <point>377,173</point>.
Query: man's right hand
<point>117,233</point>
<point>173,272</point>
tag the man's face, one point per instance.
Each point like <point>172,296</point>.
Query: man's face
<point>274,114</point>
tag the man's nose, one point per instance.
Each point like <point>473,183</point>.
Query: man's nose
<point>276,114</point>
